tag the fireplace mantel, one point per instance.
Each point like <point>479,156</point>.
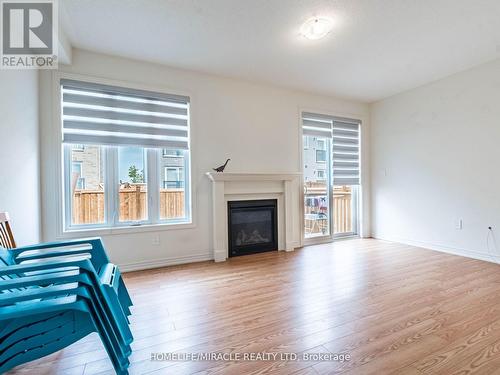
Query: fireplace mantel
<point>214,176</point>
<point>248,186</point>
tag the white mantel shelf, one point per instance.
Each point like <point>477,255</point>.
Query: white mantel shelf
<point>284,187</point>
<point>221,176</point>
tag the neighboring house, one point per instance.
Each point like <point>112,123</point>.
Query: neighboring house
<point>86,163</point>
<point>315,156</point>
<point>172,169</point>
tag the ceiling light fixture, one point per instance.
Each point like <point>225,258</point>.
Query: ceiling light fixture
<point>316,28</point>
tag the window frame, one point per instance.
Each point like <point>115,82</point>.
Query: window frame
<point>358,190</point>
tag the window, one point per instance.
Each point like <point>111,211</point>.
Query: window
<point>172,153</point>
<point>126,153</point>
<point>174,178</point>
<point>77,173</point>
<point>320,150</point>
<point>320,156</point>
<point>306,143</point>
<point>331,175</point>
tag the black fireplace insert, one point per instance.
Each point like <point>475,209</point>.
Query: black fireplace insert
<point>252,226</point>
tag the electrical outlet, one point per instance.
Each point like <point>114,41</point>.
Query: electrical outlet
<point>156,240</point>
<point>459,224</point>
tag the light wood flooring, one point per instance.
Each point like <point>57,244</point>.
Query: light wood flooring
<point>395,309</point>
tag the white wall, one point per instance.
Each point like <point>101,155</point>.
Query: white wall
<point>435,159</point>
<point>256,126</point>
<point>19,153</point>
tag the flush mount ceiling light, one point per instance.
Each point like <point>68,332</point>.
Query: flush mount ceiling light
<point>316,28</point>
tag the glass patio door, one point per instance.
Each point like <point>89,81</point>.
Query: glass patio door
<point>331,174</point>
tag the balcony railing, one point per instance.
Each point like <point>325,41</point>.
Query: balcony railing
<point>316,209</point>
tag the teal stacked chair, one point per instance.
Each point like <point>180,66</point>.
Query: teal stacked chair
<point>91,248</point>
<point>52,295</point>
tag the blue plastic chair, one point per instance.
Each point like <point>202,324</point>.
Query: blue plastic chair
<point>54,324</point>
<point>41,313</point>
<point>91,248</point>
<point>58,271</point>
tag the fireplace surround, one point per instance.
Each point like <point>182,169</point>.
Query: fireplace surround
<point>282,187</point>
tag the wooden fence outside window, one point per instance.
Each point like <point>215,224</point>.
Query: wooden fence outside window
<point>88,205</point>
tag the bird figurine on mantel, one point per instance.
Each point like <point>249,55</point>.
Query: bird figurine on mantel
<point>222,167</point>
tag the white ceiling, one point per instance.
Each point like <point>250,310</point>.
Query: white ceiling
<point>377,48</point>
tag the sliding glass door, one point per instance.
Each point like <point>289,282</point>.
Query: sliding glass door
<point>331,171</point>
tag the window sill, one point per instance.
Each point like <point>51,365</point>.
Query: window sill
<point>91,232</point>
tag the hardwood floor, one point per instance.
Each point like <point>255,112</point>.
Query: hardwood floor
<point>395,309</point>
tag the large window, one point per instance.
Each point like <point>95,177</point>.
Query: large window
<point>331,175</point>
<point>126,156</point>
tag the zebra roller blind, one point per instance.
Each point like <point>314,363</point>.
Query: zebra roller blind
<point>108,115</point>
<point>345,152</point>
<point>316,125</point>
<point>345,139</point>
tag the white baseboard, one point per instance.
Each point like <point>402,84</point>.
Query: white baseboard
<point>157,263</point>
<point>439,247</point>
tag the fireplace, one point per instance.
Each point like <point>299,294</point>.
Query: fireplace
<point>252,226</point>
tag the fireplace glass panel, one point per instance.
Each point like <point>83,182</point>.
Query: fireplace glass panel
<point>252,226</point>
